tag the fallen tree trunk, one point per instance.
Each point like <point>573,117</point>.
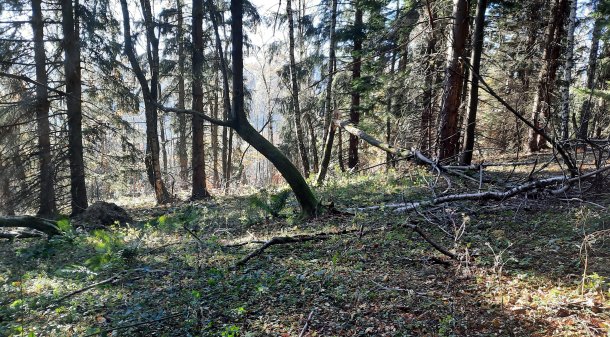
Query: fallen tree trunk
<point>492,195</point>
<point>406,154</point>
<point>350,128</point>
<point>11,235</point>
<point>43,225</point>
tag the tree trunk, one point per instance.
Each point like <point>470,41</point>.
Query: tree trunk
<point>473,99</point>
<point>354,111</point>
<point>452,87</point>
<point>296,108</point>
<point>328,149</point>
<point>6,195</point>
<point>313,144</point>
<point>48,204</point>
<point>214,143</point>
<point>585,112</point>
<point>304,195</point>
<point>153,167</point>
<point>329,128</point>
<point>427,115</point>
<point>163,140</point>
<point>71,44</point>
<point>567,74</point>
<point>199,190</point>
<point>547,74</point>
<point>182,122</point>
<point>340,151</point>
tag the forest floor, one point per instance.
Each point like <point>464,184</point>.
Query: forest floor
<point>521,270</point>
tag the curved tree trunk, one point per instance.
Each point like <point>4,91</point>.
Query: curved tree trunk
<point>153,167</point>
<point>307,200</point>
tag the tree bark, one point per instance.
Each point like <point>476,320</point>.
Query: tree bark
<point>153,167</point>
<point>48,206</point>
<point>329,128</point>
<point>71,44</point>
<point>567,74</point>
<point>199,190</point>
<point>182,122</point>
<point>547,74</point>
<point>473,98</point>
<point>354,112</point>
<point>427,116</point>
<point>296,108</point>
<point>452,87</point>
<point>214,142</point>
<point>585,112</point>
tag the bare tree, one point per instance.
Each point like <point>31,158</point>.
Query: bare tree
<point>153,167</point>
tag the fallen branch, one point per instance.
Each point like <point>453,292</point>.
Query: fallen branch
<point>91,286</point>
<point>436,246</point>
<point>44,225</point>
<point>11,235</point>
<point>281,240</point>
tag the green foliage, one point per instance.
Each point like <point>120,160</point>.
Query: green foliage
<point>110,248</point>
<point>272,204</point>
<point>64,225</point>
<point>230,331</point>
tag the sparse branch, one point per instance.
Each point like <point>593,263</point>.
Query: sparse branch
<point>228,123</point>
<point>566,157</point>
<point>29,80</point>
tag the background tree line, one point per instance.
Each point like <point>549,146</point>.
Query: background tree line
<point>111,98</point>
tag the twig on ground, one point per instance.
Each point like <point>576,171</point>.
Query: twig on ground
<point>438,247</point>
<point>103,332</point>
<point>306,323</point>
<point>91,286</point>
<point>193,234</point>
<point>279,240</point>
